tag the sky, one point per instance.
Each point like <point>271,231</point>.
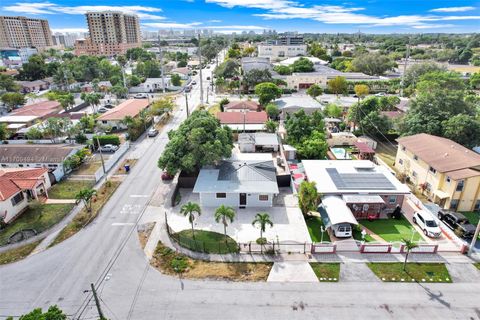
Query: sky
<point>368,16</point>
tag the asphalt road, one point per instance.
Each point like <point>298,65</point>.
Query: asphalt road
<point>108,253</point>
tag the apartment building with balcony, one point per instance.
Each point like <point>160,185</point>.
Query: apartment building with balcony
<point>23,32</point>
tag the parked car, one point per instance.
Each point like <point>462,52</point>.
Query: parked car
<point>188,88</point>
<point>109,106</point>
<point>166,176</point>
<point>140,96</point>
<point>427,223</point>
<point>102,110</point>
<point>208,78</point>
<point>342,230</point>
<point>194,82</point>
<point>109,148</point>
<point>152,132</point>
<point>457,222</point>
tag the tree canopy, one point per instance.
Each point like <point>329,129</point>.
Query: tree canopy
<point>267,92</point>
<point>372,63</point>
<point>302,65</point>
<point>200,140</point>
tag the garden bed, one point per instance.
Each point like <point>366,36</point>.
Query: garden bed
<point>326,272</point>
<point>205,241</point>
<point>415,272</point>
<point>67,189</point>
<point>169,262</point>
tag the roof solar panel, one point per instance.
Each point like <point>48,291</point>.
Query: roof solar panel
<point>359,181</point>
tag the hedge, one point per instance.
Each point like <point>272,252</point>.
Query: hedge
<point>106,139</point>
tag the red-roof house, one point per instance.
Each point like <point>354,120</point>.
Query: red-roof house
<point>241,106</point>
<point>129,108</point>
<point>243,121</point>
<point>17,186</point>
<point>41,110</point>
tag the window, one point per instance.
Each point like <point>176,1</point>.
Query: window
<point>414,174</point>
<point>392,199</point>
<point>415,157</point>
<point>428,186</point>
<point>432,170</point>
<point>263,197</point>
<point>460,185</point>
<point>18,198</point>
<point>403,148</point>
<point>454,204</point>
<point>477,206</point>
<point>447,179</point>
<point>221,195</point>
<point>400,161</point>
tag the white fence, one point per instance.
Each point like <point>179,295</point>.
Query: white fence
<point>112,160</point>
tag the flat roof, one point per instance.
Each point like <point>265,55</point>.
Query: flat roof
<point>298,101</point>
<point>352,177</point>
<point>17,119</point>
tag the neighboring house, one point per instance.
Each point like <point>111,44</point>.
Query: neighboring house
<point>258,141</point>
<point>238,183</point>
<point>241,106</point>
<point>316,62</point>
<point>184,73</point>
<point>104,85</point>
<point>367,190</point>
<point>293,103</point>
<point>152,85</point>
<point>32,86</point>
<point>17,186</point>
<point>276,52</point>
<point>343,138</point>
<point>447,172</point>
<point>129,108</point>
<point>243,121</point>
<point>51,157</point>
<point>249,64</point>
<point>87,87</point>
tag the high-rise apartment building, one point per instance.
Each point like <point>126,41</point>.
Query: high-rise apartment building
<point>110,33</point>
<point>23,32</point>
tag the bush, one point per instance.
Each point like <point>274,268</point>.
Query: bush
<point>106,139</point>
<point>80,138</point>
<point>261,241</point>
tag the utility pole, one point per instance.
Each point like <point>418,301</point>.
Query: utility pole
<point>474,240</point>
<point>101,155</point>
<point>161,62</point>
<point>200,64</point>
<point>186,103</point>
<point>99,309</point>
<point>407,56</point>
<point>207,93</point>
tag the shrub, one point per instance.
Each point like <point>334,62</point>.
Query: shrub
<point>106,139</point>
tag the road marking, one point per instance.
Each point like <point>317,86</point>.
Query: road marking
<point>131,209</point>
<point>139,196</point>
<point>119,224</point>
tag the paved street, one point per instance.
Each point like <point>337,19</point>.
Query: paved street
<point>108,254</point>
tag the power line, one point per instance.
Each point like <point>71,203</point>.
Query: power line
<point>108,308</point>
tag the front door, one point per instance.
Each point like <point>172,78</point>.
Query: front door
<point>243,199</point>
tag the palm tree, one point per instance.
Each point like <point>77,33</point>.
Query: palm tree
<point>190,209</point>
<point>224,214</point>
<point>271,126</point>
<point>409,245</point>
<point>86,195</point>
<point>128,121</point>
<point>262,219</point>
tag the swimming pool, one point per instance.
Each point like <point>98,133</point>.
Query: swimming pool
<point>340,153</point>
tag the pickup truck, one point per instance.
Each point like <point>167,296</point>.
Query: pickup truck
<point>457,222</point>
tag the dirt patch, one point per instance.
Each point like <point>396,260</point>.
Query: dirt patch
<point>170,262</point>
<point>144,231</point>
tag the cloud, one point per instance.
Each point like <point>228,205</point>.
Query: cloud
<point>214,21</point>
<point>143,12</point>
<point>453,9</point>
<point>432,26</point>
<point>336,14</point>
<point>199,25</point>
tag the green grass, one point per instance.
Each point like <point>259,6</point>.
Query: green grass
<point>326,272</point>
<point>477,265</point>
<point>392,230</point>
<point>67,189</point>
<point>419,272</point>
<point>313,226</point>
<point>357,235</point>
<point>473,217</point>
<point>213,110</point>
<point>386,153</point>
<point>40,218</point>
<point>205,241</point>
<point>18,253</point>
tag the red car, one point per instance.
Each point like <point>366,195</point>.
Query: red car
<point>166,176</point>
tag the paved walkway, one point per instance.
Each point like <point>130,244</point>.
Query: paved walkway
<point>292,271</point>
<point>59,201</point>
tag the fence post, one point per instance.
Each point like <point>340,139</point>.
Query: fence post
<point>249,247</point>
<point>203,245</point>
<point>304,247</point>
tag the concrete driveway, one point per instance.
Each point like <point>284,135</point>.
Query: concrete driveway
<point>288,222</point>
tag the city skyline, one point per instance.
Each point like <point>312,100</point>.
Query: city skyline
<point>227,16</point>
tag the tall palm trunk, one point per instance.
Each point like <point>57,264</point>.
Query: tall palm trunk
<point>261,240</point>
<point>225,229</point>
<point>405,262</point>
<point>193,231</point>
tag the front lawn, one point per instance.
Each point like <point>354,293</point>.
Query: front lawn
<point>473,217</point>
<point>326,272</point>
<point>477,265</point>
<point>313,226</point>
<point>392,230</point>
<point>18,253</point>
<point>357,235</point>
<point>213,110</point>
<point>415,272</point>
<point>205,241</point>
<point>170,262</point>
<point>67,189</point>
<point>39,217</point>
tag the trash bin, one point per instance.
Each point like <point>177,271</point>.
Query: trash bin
<point>127,168</point>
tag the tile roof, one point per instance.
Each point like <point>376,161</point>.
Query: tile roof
<point>131,107</point>
<point>13,180</point>
<point>442,154</point>
<point>243,104</point>
<point>240,117</point>
<point>40,109</point>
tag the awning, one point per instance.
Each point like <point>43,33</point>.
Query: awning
<point>441,194</point>
<point>334,211</point>
<point>362,198</point>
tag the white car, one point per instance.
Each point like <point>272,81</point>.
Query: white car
<point>342,230</point>
<point>109,148</point>
<point>427,223</point>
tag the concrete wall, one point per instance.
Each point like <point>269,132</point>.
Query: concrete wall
<point>9,211</point>
<point>233,200</point>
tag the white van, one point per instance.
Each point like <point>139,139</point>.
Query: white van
<point>342,230</point>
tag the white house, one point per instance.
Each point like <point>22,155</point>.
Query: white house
<point>261,141</point>
<point>238,183</point>
<point>275,52</point>
<point>152,85</point>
